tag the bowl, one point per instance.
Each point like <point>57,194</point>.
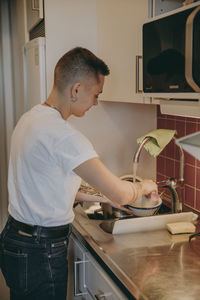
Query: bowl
<point>145,206</point>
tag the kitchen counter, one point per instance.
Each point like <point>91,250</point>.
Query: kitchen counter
<point>147,265</point>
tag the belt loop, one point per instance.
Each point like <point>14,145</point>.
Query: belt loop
<point>38,233</point>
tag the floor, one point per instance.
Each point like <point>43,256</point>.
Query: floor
<point>4,291</point>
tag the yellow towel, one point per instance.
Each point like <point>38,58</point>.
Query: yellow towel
<point>159,138</point>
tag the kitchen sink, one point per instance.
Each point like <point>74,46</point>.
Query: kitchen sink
<point>163,209</point>
<point>98,214</point>
<point>119,223</point>
<point>130,223</point>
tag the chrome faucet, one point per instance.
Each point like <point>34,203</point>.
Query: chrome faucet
<point>171,184</point>
<point>139,150</point>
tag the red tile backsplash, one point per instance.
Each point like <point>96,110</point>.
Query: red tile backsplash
<point>189,196</point>
<point>168,160</point>
<point>189,175</point>
<point>198,178</point>
<point>198,162</point>
<point>189,159</point>
<point>198,199</point>
<point>170,150</point>
<point>177,169</point>
<point>170,167</point>
<point>161,166</point>
<point>180,128</point>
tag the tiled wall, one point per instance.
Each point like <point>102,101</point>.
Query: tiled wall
<point>168,160</point>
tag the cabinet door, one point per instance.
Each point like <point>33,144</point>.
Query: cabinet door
<point>34,11</point>
<point>120,45</point>
<point>89,297</point>
<point>76,280</point>
<point>99,284</point>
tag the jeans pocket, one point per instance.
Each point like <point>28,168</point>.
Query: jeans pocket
<point>14,269</point>
<point>59,247</point>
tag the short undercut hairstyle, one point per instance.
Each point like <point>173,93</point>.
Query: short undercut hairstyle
<point>78,64</point>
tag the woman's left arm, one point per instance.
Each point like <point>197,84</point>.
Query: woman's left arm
<point>81,197</point>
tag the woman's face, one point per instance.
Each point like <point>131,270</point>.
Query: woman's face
<point>87,95</point>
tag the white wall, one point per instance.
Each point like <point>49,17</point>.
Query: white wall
<point>111,127</point>
<point>19,38</point>
<point>6,104</point>
<point>68,24</point>
<point>12,37</point>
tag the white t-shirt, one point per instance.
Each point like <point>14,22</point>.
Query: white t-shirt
<point>44,151</point>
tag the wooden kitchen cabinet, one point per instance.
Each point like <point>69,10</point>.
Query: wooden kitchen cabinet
<point>160,7</point>
<point>120,45</point>
<point>111,29</point>
<point>34,11</point>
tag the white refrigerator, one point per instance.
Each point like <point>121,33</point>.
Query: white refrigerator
<point>34,64</point>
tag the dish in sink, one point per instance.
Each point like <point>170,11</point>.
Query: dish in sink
<point>145,206</point>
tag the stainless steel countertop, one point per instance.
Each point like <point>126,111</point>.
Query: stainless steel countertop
<point>151,265</point>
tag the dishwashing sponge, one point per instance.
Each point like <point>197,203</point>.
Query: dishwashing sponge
<point>181,227</point>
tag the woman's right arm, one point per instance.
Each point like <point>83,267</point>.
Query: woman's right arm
<point>121,192</point>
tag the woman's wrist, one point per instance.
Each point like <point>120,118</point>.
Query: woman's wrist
<point>137,190</point>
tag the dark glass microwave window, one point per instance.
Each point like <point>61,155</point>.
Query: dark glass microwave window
<point>164,54</point>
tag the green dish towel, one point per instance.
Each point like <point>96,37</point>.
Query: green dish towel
<point>159,138</point>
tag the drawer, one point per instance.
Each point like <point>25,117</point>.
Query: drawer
<point>99,284</point>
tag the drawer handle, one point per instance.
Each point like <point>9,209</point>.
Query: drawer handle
<point>102,296</point>
<point>76,263</point>
<point>138,58</point>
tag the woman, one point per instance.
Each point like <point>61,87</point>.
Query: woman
<point>48,158</point>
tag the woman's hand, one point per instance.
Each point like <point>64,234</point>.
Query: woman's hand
<point>154,195</point>
<point>145,187</point>
<point>149,186</point>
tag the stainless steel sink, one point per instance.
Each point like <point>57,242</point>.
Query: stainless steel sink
<point>131,223</point>
<point>164,209</point>
<point>99,215</point>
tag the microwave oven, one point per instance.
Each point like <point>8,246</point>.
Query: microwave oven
<point>171,55</point>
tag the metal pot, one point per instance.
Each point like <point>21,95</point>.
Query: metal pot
<point>110,212</point>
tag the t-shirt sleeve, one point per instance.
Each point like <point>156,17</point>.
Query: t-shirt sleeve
<point>73,151</point>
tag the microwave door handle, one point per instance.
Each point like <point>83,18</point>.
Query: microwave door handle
<point>138,58</point>
<point>188,50</point>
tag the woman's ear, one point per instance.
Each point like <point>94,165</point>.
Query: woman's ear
<point>75,89</point>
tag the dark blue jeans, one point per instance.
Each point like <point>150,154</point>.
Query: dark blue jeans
<point>34,268</point>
